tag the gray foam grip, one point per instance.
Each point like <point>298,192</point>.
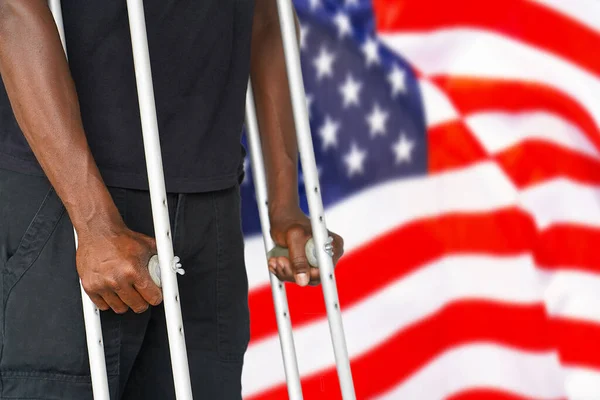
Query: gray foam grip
<point>154,269</point>
<point>311,253</point>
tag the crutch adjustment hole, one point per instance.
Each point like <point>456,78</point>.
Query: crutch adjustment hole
<point>336,306</point>
<point>168,234</point>
<point>331,276</point>
<point>164,202</point>
<point>285,314</point>
<point>280,286</point>
<point>316,189</point>
<point>321,218</point>
<point>176,299</point>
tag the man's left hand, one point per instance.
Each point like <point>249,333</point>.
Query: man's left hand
<point>292,229</point>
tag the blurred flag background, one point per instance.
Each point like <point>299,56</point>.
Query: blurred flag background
<point>459,156</point>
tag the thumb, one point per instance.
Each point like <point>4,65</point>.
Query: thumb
<point>296,241</point>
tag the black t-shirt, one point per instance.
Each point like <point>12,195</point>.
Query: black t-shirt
<point>199,52</point>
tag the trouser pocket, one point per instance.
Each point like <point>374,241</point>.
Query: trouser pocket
<point>42,319</point>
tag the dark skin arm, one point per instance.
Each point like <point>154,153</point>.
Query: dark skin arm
<point>290,227</point>
<point>111,259</point>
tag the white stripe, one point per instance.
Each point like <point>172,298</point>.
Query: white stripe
<point>574,295</point>
<point>497,131</point>
<point>583,11</point>
<point>479,53</point>
<point>561,200</point>
<point>582,384</point>
<point>479,188</point>
<point>476,366</point>
<point>395,307</point>
<point>438,107</point>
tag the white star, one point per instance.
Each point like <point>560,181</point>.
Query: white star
<point>403,149</point>
<point>355,160</point>
<point>324,63</point>
<point>343,23</point>
<point>303,33</point>
<point>377,120</point>
<point>328,132</point>
<point>349,3</point>
<point>350,91</point>
<point>314,4</point>
<point>371,51</point>
<point>397,79</point>
<point>309,100</point>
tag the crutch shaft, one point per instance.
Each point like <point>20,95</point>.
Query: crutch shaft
<point>313,192</point>
<point>91,314</point>
<point>158,198</point>
<point>282,314</point>
<point>95,345</point>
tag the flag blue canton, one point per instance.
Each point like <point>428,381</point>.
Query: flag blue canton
<point>364,104</point>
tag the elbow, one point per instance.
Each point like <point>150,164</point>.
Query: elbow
<point>266,17</point>
<point>7,16</point>
<point>14,13</point>
<point>9,10</point>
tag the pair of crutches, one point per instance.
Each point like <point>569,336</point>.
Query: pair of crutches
<point>165,267</point>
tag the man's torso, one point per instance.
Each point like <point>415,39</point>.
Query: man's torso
<point>199,53</point>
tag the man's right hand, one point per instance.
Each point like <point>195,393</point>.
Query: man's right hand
<point>113,270</point>
<point>111,259</point>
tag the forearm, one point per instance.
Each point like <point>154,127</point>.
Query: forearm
<point>274,113</point>
<point>42,94</point>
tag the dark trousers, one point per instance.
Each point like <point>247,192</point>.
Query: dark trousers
<point>43,353</point>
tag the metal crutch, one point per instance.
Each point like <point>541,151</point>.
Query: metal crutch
<point>91,314</point>
<point>169,266</point>
<point>320,234</point>
<point>282,313</point>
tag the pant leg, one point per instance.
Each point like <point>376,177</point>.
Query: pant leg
<point>43,352</point>
<point>214,299</point>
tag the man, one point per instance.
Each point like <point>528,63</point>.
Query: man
<point>71,155</point>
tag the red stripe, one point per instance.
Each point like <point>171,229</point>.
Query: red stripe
<point>427,240</point>
<point>535,161</point>
<point>551,30</point>
<point>490,394</point>
<point>567,246</point>
<point>520,327</point>
<point>452,145</point>
<point>469,95</point>
<point>577,342</point>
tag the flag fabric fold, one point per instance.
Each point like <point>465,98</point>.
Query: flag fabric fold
<point>458,151</point>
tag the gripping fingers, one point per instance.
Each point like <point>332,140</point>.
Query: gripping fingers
<point>132,298</point>
<point>147,288</point>
<point>114,302</point>
<point>99,302</point>
<point>281,268</point>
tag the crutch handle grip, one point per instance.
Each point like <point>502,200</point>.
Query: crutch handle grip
<point>154,269</point>
<point>309,249</point>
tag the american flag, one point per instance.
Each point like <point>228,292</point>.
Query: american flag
<point>458,145</point>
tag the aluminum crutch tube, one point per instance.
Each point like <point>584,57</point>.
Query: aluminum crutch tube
<point>282,313</point>
<point>91,314</point>
<point>313,193</point>
<point>160,215</point>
